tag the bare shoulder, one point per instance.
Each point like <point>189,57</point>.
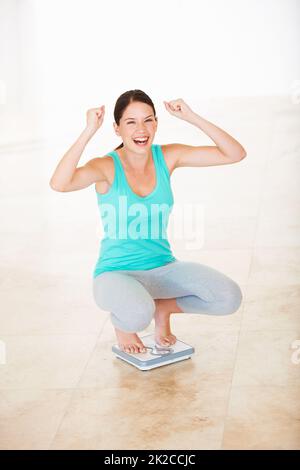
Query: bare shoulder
<point>103,164</point>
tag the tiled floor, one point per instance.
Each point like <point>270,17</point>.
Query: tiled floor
<point>62,388</point>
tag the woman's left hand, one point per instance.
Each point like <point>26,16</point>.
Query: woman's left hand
<point>179,108</point>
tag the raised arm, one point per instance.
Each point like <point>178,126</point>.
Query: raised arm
<point>227,149</point>
<point>66,170</point>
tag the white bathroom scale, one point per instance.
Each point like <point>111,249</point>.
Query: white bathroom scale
<point>156,355</point>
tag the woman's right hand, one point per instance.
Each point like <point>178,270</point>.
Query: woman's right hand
<point>94,118</point>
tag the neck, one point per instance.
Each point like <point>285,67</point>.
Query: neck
<point>134,160</point>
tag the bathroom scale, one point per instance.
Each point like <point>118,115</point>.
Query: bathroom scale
<point>156,355</point>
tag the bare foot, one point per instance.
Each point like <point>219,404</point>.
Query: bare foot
<point>163,335</point>
<point>129,342</point>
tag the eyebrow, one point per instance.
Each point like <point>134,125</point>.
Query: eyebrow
<point>145,117</point>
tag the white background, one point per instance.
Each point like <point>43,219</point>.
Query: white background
<point>60,57</point>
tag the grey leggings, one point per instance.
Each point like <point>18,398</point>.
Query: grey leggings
<point>128,295</point>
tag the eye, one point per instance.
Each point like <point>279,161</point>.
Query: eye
<point>130,122</point>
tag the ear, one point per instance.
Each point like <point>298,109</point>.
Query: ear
<point>116,128</point>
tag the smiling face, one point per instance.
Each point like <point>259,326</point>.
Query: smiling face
<point>137,122</point>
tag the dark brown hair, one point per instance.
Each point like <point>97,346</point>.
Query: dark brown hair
<point>125,99</point>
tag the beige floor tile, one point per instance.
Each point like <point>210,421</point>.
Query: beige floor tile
<point>144,413</point>
<point>271,308</point>
<point>64,264</point>
<point>279,215</point>
<point>275,266</point>
<point>45,361</point>
<point>265,357</point>
<point>282,176</point>
<point>263,417</point>
<point>30,418</point>
<point>278,228</point>
<point>39,304</point>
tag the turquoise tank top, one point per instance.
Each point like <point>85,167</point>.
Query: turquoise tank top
<point>135,227</point>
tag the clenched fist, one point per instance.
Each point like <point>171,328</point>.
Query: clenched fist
<point>179,108</point>
<point>94,118</point>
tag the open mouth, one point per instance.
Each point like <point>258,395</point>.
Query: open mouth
<point>141,142</point>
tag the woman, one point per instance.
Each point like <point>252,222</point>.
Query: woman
<point>136,276</point>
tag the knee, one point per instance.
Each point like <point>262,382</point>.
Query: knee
<point>232,299</point>
<point>137,319</point>
<point>143,316</point>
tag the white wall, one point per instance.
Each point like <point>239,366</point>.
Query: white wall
<point>19,93</point>
<point>9,65</point>
<point>63,56</point>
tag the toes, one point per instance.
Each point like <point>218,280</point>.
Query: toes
<point>163,341</point>
<point>167,340</point>
<point>141,348</point>
<point>134,348</point>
